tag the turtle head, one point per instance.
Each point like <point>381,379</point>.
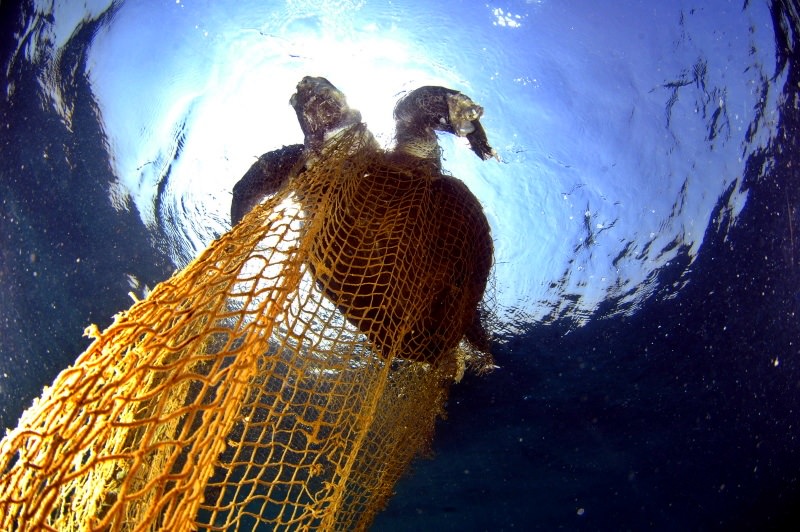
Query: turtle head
<point>464,119</point>
<point>321,109</point>
<point>431,108</point>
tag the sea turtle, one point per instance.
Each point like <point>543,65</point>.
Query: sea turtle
<point>406,251</point>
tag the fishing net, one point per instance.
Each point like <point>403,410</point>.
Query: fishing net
<point>283,380</point>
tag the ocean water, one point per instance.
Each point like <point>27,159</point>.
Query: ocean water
<point>645,212</point>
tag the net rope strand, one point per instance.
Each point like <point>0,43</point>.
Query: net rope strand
<point>285,378</point>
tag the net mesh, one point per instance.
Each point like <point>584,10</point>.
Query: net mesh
<point>285,378</point>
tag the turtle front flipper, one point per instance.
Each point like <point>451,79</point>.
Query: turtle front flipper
<point>263,179</point>
<point>322,112</point>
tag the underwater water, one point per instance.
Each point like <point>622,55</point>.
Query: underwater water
<point>645,213</point>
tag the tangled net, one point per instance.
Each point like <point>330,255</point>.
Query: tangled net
<point>285,378</point>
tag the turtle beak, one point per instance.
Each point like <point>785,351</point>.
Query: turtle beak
<point>464,118</point>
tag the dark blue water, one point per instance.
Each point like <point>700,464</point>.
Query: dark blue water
<point>646,218</point>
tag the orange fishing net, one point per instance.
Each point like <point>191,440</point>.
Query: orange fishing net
<point>286,377</point>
